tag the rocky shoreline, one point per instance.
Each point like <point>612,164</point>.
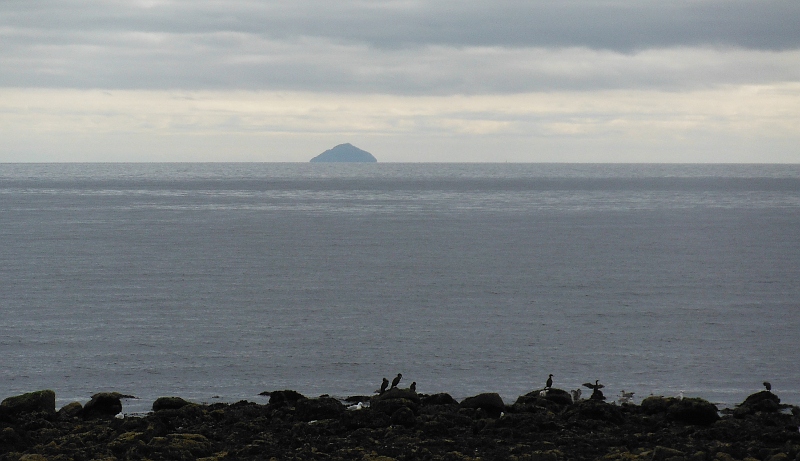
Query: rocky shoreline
<point>400,424</point>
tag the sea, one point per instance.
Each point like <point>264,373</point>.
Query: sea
<point>216,282</point>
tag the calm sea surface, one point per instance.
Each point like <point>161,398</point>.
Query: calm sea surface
<point>215,282</point>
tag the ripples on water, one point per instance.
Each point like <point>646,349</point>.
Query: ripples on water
<point>224,280</point>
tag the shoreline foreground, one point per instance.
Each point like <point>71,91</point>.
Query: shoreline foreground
<point>399,424</point>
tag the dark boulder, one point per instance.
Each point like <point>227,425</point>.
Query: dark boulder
<point>357,398</point>
<point>390,406</point>
<point>553,399</point>
<point>180,446</point>
<point>490,402</point>
<point>70,410</point>
<point>687,410</point>
<point>397,393</point>
<point>102,405</point>
<point>319,408</point>
<point>558,396</point>
<point>693,411</point>
<point>665,453</point>
<point>595,410</point>
<point>404,416</point>
<point>285,398</point>
<point>764,401</point>
<point>438,399</point>
<point>32,402</point>
<point>395,398</point>
<point>169,403</point>
<point>367,418</point>
<point>657,404</point>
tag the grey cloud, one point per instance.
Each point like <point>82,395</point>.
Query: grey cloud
<point>398,46</point>
<point>600,24</point>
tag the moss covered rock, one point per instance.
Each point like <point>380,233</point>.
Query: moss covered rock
<point>40,401</point>
<point>70,410</point>
<point>169,403</point>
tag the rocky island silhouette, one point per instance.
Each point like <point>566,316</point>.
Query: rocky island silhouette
<point>344,153</point>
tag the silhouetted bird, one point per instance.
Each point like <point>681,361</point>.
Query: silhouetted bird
<point>413,387</point>
<point>596,394</point>
<point>384,385</point>
<point>594,386</point>
<point>768,385</point>
<point>549,382</point>
<point>396,379</point>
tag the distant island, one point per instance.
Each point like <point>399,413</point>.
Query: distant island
<point>344,153</point>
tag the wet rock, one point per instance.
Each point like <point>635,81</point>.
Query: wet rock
<point>357,398</point>
<point>371,419</point>
<point>320,408</point>
<point>693,411</point>
<point>390,406</point>
<point>403,429</point>
<point>404,416</point>
<point>169,403</point>
<point>741,412</point>
<point>688,410</point>
<point>32,457</point>
<point>764,401</point>
<point>102,405</point>
<point>665,453</point>
<point>657,404</point>
<point>70,410</point>
<point>127,443</point>
<point>595,410</point>
<point>9,437</point>
<point>438,399</point>
<point>553,399</point>
<point>558,396</point>
<point>287,397</point>
<point>547,455</point>
<point>180,446</point>
<point>40,401</point>
<point>397,393</point>
<point>490,402</point>
<point>395,398</point>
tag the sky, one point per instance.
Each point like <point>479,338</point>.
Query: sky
<point>704,81</point>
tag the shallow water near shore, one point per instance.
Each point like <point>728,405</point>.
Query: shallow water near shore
<point>215,282</point>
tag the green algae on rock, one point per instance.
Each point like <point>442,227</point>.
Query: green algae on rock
<point>408,426</point>
<point>43,401</point>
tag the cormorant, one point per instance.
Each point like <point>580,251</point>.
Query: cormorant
<point>594,386</point>
<point>396,379</point>
<point>768,385</point>
<point>549,382</point>
<point>384,385</point>
<point>413,387</point>
<point>596,394</point>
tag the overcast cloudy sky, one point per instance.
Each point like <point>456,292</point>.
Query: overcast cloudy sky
<point>409,81</point>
